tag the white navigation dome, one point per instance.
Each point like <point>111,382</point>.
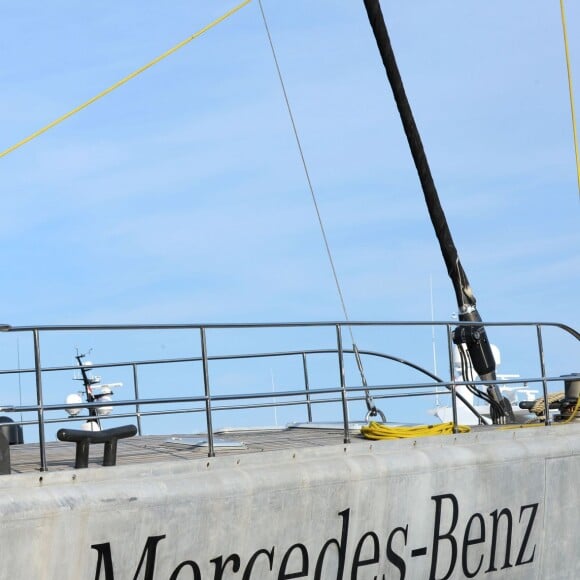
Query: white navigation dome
<point>73,399</point>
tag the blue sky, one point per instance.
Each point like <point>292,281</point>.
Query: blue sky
<point>181,198</point>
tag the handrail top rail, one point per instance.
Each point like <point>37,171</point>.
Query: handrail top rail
<point>296,324</point>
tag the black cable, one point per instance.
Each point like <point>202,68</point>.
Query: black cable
<point>455,270</point>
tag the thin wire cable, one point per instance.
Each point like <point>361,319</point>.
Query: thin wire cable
<point>313,195</point>
<point>304,164</point>
<point>124,80</point>
<point>571,92</point>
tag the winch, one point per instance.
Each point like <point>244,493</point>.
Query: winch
<point>568,406</point>
<point>567,402</point>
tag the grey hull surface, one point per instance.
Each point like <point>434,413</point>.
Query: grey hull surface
<point>488,504</point>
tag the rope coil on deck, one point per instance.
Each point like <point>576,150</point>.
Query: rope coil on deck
<point>377,431</point>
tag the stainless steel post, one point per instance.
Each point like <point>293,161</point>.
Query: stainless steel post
<point>307,388</point>
<point>543,371</point>
<point>39,402</point>
<point>211,452</point>
<point>137,406</point>
<point>342,383</point>
<point>452,377</point>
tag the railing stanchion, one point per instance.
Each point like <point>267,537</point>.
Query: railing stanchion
<point>137,406</point>
<point>307,388</point>
<point>39,399</point>
<point>342,383</point>
<point>543,371</point>
<point>452,385</point>
<point>211,452</point>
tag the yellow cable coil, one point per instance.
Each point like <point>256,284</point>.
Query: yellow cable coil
<point>125,80</point>
<point>378,431</point>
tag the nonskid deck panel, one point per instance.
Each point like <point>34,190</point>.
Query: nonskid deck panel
<point>157,448</point>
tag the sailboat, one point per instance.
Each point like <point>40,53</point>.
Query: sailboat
<point>312,499</point>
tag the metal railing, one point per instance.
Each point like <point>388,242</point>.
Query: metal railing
<point>306,395</point>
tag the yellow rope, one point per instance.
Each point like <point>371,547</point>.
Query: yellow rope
<point>571,91</point>
<point>126,79</point>
<point>573,415</point>
<point>378,431</point>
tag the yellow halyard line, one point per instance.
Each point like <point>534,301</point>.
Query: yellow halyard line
<point>125,80</point>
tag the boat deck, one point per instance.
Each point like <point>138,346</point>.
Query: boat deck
<point>205,383</point>
<point>157,448</point>
<point>152,449</point>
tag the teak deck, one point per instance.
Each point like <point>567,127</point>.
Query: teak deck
<point>157,448</point>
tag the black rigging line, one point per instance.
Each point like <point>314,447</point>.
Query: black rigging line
<point>474,336</point>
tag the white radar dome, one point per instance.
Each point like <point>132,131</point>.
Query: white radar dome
<point>73,399</point>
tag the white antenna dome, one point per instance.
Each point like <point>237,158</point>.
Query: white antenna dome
<point>73,399</point>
